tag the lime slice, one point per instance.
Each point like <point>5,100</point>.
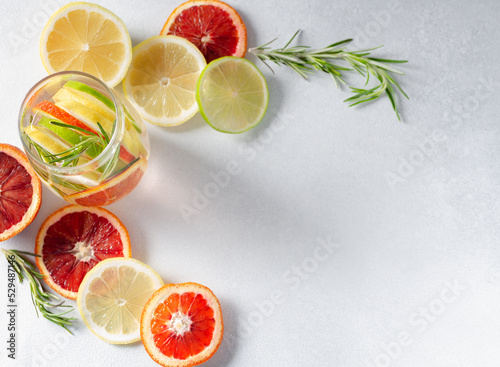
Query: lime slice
<point>112,296</point>
<point>70,136</point>
<point>53,144</point>
<point>232,95</point>
<point>82,87</point>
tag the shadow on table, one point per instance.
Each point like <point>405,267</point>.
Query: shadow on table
<point>230,341</point>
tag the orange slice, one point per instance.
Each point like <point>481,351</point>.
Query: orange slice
<point>20,192</point>
<point>181,325</point>
<point>211,25</point>
<point>114,188</point>
<point>48,109</point>
<point>73,240</point>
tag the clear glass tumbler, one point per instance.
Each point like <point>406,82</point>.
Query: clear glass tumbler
<point>84,140</point>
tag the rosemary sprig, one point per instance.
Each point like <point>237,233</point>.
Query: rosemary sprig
<point>42,300</point>
<point>304,60</point>
<point>71,156</point>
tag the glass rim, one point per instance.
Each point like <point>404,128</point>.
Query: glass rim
<point>110,148</point>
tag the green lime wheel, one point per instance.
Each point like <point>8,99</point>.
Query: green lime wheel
<point>232,95</point>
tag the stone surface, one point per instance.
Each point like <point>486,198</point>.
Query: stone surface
<point>333,236</point>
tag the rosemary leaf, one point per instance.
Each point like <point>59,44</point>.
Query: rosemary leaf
<point>304,60</point>
<point>103,132</point>
<point>42,300</point>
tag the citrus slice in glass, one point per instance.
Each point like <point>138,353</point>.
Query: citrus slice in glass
<point>112,296</point>
<point>87,109</point>
<point>113,189</point>
<point>99,102</point>
<point>86,37</point>
<point>50,110</point>
<point>71,112</point>
<point>212,26</point>
<point>89,91</point>
<point>50,145</point>
<point>72,137</point>
<point>20,192</point>
<point>46,139</point>
<point>232,95</point>
<point>161,81</point>
<point>86,100</point>
<point>73,240</point>
<point>86,115</point>
<point>181,325</point>
<point>53,112</point>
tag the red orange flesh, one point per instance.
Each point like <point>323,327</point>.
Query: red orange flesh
<point>20,192</point>
<point>73,240</point>
<point>182,325</point>
<point>211,25</point>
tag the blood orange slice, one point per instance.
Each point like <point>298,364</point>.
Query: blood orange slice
<point>48,109</point>
<point>73,240</point>
<point>212,25</point>
<point>113,189</point>
<point>181,325</point>
<point>20,192</point>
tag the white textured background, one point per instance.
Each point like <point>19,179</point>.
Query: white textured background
<point>409,211</point>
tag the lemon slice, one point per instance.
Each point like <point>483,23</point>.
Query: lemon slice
<point>100,102</point>
<point>46,139</point>
<point>232,95</point>
<point>161,81</point>
<point>84,99</point>
<point>112,296</point>
<point>86,37</point>
<point>86,115</point>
